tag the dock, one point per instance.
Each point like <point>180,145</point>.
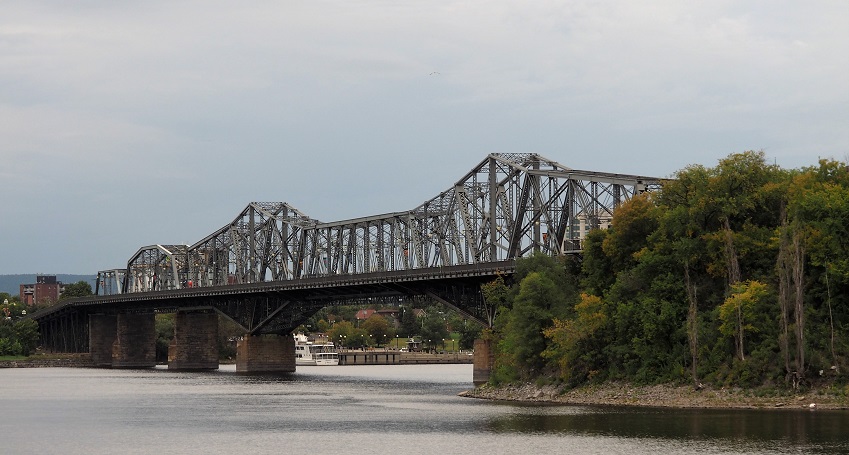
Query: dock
<point>392,357</point>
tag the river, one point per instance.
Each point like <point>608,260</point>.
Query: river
<point>399,409</point>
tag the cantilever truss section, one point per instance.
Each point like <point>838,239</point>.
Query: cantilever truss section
<point>508,206</point>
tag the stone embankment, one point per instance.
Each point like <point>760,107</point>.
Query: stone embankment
<point>67,360</point>
<point>619,394</point>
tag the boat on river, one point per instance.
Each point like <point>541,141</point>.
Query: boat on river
<point>309,353</point>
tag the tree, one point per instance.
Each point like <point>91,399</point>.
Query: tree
<point>378,329</point>
<point>343,333</point>
<point>409,323</point>
<point>323,326</point>
<point>433,330</point>
<point>538,302</point>
<point>78,289</point>
<point>164,326</point>
<point>567,335</point>
<point>340,332</point>
<point>495,296</point>
<point>737,312</point>
<point>469,332</point>
<point>18,338</point>
<point>634,222</point>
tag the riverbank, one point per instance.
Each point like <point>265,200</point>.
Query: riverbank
<point>666,395</point>
<point>50,361</point>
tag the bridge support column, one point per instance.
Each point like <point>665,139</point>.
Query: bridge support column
<point>102,331</point>
<point>135,344</point>
<point>266,353</point>
<point>483,361</point>
<point>195,343</point>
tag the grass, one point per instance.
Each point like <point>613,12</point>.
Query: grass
<point>12,357</point>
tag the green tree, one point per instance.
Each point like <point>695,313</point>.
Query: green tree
<point>433,330</point>
<point>78,289</point>
<point>410,326</point>
<point>469,332</point>
<point>18,338</point>
<point>323,326</point>
<point>26,331</point>
<point>377,327</point>
<point>341,332</point>
<point>344,334</point>
<point>164,326</point>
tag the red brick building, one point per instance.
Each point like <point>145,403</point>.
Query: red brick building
<point>45,290</point>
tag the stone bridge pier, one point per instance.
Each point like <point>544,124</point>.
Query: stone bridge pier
<point>195,342</point>
<point>128,340</point>
<point>266,353</point>
<point>102,332</point>
<point>483,362</point>
<point>135,341</point>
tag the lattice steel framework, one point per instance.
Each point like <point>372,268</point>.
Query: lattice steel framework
<point>110,282</point>
<point>507,207</point>
<point>272,266</point>
<point>157,268</point>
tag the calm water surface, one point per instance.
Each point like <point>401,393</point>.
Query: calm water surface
<point>361,409</point>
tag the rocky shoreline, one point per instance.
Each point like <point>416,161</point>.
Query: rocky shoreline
<point>665,395</point>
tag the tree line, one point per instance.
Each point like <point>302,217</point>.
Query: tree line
<point>733,275</point>
<point>430,325</point>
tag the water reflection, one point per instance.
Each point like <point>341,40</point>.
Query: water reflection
<point>795,428</point>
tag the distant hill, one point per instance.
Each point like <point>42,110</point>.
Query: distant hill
<point>11,284</point>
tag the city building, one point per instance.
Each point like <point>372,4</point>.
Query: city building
<point>45,290</point>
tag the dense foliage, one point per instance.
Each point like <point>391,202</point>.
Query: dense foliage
<point>78,289</point>
<point>18,337</point>
<point>737,274</point>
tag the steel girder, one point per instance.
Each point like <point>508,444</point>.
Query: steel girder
<point>280,306</point>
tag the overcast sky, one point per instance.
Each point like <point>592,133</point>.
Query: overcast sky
<point>125,124</point>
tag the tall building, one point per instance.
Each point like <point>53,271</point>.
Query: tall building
<point>45,290</point>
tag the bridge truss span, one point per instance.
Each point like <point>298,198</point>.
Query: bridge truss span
<point>273,266</point>
<point>507,207</point>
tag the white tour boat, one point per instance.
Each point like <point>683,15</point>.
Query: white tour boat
<point>309,353</point>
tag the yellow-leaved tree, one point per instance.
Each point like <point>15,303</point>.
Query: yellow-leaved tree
<point>566,335</point>
<point>737,312</point>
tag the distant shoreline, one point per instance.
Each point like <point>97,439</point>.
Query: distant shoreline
<point>664,396</point>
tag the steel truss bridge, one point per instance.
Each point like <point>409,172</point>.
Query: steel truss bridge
<point>273,266</point>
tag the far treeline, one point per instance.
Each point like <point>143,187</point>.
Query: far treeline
<point>733,275</point>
